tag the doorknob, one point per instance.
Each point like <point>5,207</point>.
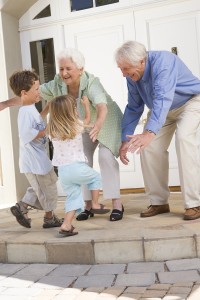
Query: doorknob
<point>142,121</point>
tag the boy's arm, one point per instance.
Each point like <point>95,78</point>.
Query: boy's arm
<point>40,134</point>
<point>15,101</point>
<point>86,104</point>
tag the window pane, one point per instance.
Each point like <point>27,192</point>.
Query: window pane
<point>46,12</point>
<point>81,4</point>
<point>105,2</point>
<point>43,61</point>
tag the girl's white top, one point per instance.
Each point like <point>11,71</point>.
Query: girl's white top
<point>68,151</point>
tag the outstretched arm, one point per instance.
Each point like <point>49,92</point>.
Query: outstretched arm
<point>86,104</point>
<point>45,111</point>
<point>15,101</point>
<point>102,110</point>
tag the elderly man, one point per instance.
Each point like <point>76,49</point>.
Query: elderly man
<point>162,82</point>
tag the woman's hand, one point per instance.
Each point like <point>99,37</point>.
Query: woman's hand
<point>102,110</point>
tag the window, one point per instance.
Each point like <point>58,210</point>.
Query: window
<point>105,2</point>
<point>81,4</point>
<point>85,4</point>
<point>43,61</point>
<point>46,12</point>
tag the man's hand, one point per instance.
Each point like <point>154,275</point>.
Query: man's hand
<point>123,153</point>
<point>139,141</point>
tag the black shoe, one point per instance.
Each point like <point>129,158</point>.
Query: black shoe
<point>116,214</point>
<point>84,215</point>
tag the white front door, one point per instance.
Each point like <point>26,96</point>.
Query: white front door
<point>173,28</point>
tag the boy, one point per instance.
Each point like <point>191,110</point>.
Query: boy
<point>33,159</point>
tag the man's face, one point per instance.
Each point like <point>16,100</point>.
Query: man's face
<point>33,95</point>
<point>134,72</point>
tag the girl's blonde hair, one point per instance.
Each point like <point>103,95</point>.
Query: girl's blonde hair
<point>63,121</point>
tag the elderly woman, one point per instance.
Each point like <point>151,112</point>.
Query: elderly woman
<point>106,117</point>
<point>106,132</point>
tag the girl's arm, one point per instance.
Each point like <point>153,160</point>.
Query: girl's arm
<point>86,104</point>
<point>45,111</point>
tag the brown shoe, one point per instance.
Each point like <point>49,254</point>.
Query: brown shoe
<point>192,213</point>
<point>154,210</point>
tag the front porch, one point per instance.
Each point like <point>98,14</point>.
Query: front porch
<point>160,238</point>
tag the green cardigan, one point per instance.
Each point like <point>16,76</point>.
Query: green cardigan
<point>90,86</point>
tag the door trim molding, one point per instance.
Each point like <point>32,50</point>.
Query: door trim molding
<point>142,190</point>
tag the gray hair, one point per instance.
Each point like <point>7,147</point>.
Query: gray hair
<point>73,54</point>
<point>131,52</point>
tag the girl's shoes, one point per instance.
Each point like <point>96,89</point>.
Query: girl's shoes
<point>66,233</point>
<point>116,214</point>
<point>84,215</point>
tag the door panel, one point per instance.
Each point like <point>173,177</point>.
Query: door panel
<point>162,29</point>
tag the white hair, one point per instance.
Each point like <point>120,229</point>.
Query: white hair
<point>73,54</point>
<point>131,52</point>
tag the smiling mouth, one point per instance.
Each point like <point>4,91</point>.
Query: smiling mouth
<point>66,77</point>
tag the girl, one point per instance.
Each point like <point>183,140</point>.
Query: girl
<point>66,129</point>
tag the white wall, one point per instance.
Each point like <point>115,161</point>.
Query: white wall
<point>14,183</point>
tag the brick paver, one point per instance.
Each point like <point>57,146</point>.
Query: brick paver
<point>101,282</point>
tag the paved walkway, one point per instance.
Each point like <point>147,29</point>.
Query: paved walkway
<point>170,280</point>
<point>152,258</point>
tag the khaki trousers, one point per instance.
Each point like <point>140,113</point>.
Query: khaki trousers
<point>42,194</point>
<point>109,169</point>
<point>184,122</point>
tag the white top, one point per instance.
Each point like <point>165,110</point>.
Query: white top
<point>68,151</point>
<point>33,156</point>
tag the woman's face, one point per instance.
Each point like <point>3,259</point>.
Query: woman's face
<point>69,72</point>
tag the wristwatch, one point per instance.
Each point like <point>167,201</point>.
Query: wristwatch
<point>150,131</point>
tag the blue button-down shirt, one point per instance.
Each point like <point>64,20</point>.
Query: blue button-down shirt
<point>166,84</point>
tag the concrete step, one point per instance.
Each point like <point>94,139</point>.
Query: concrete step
<point>133,239</point>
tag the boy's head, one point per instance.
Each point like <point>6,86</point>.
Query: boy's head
<point>25,84</point>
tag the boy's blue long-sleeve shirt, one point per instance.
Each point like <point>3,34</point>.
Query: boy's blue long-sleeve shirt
<point>166,84</point>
